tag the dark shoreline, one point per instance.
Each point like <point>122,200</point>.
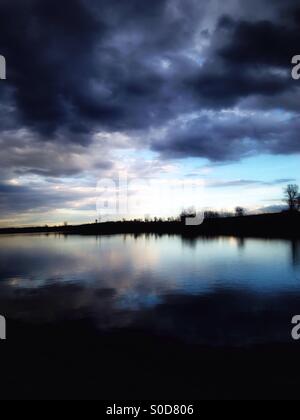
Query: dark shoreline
<point>279,225</point>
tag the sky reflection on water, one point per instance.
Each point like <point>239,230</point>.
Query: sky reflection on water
<point>215,291</point>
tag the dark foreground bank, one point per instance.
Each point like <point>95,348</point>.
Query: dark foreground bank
<point>278,225</point>
<point>74,361</point>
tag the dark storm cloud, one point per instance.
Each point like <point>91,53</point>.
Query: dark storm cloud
<point>46,45</point>
<point>259,43</point>
<point>227,136</point>
<point>248,65</point>
<point>78,66</point>
<point>247,59</point>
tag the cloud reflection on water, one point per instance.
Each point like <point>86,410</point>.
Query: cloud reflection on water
<point>219,291</point>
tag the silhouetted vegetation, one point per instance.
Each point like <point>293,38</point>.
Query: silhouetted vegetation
<point>240,212</point>
<point>211,215</point>
<point>293,197</point>
<point>285,224</point>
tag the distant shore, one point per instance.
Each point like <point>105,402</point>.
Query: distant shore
<point>277,225</point>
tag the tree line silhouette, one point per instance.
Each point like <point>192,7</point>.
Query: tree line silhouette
<point>240,223</point>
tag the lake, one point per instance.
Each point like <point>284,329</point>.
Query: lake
<point>216,292</point>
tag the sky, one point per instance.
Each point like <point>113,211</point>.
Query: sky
<point>127,108</point>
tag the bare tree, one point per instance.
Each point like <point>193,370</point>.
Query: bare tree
<point>240,212</point>
<point>292,197</point>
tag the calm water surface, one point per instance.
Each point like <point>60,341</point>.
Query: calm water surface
<point>223,291</point>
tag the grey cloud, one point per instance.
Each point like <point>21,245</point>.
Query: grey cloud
<point>225,137</point>
<point>23,154</point>
<point>79,65</point>
<point>249,183</point>
<point>16,199</point>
